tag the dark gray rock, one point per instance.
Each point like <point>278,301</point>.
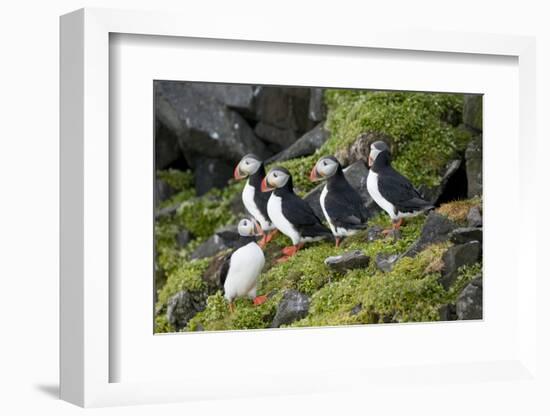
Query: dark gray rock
<point>447,313</point>
<point>304,146</point>
<point>433,194</point>
<point>166,211</point>
<point>211,173</point>
<point>474,217</point>
<point>183,306</point>
<point>317,108</point>
<point>223,239</point>
<point>436,230</point>
<point>360,148</point>
<point>356,309</point>
<point>183,237</point>
<point>282,138</point>
<point>356,174</point>
<point>292,307</point>
<point>472,113</point>
<point>385,262</point>
<point>283,107</point>
<point>348,261</point>
<point>466,234</point>
<point>163,191</point>
<point>469,304</point>
<point>239,97</point>
<point>203,126</point>
<point>167,149</point>
<point>456,257</point>
<point>474,166</point>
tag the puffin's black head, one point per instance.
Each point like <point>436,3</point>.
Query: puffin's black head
<point>377,149</point>
<point>248,227</point>
<point>248,165</point>
<point>277,177</point>
<point>325,168</point>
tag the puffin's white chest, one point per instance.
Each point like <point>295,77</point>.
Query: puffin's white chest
<point>275,212</point>
<point>372,187</point>
<point>246,265</point>
<point>252,208</point>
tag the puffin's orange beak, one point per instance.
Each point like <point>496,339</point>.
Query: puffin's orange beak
<point>313,176</point>
<point>265,188</point>
<point>237,173</point>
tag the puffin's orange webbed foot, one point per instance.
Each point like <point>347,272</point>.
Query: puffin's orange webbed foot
<point>258,300</point>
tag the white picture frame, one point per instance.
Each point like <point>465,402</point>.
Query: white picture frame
<point>86,356</point>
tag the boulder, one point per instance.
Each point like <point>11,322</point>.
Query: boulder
<point>183,237</point>
<point>472,112</point>
<point>385,262</point>
<point>304,146</point>
<point>167,150</point>
<point>474,217</point>
<point>211,173</point>
<point>163,191</point>
<point>466,234</point>
<point>436,230</point>
<point>360,148</point>
<point>238,97</point>
<point>292,307</point>
<point>348,261</point>
<point>166,211</point>
<point>183,306</point>
<point>317,108</point>
<point>456,257</point>
<point>474,166</point>
<point>281,138</point>
<point>203,126</point>
<point>283,107</point>
<point>356,174</point>
<point>469,304</point>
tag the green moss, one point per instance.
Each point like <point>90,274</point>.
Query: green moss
<point>162,324</point>
<point>217,316</point>
<point>203,215</point>
<point>181,182</point>
<point>424,143</point>
<point>186,276</point>
<point>410,292</point>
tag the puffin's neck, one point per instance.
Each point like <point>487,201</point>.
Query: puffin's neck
<point>381,162</point>
<point>244,240</point>
<point>257,177</point>
<point>287,189</point>
<point>336,179</point>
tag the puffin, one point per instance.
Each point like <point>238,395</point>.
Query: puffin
<point>254,200</point>
<point>291,214</point>
<point>393,192</point>
<point>240,268</point>
<point>340,202</point>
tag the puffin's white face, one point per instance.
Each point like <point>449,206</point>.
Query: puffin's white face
<point>248,228</point>
<point>324,168</point>
<point>275,179</point>
<point>246,167</point>
<point>375,149</point>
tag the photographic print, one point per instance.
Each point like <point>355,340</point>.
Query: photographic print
<point>293,207</point>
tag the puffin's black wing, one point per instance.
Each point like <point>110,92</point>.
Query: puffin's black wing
<point>344,206</point>
<point>301,215</point>
<point>400,192</point>
<point>224,269</point>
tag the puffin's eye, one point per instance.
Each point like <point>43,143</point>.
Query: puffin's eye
<point>274,175</point>
<point>324,162</point>
<point>246,162</point>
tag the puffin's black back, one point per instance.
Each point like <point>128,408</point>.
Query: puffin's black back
<point>343,204</point>
<point>260,198</point>
<point>397,189</point>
